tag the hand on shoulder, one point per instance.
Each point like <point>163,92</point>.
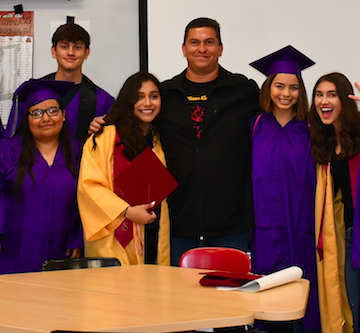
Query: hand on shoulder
<point>96,123</point>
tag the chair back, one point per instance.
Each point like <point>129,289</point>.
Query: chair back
<point>57,331</point>
<point>217,258</point>
<point>76,263</point>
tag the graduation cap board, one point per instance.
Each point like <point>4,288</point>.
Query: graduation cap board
<point>34,91</point>
<point>146,180</point>
<point>286,60</point>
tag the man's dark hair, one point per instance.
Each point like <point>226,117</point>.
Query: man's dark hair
<point>203,22</point>
<point>71,32</point>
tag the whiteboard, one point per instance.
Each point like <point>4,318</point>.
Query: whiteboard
<point>114,29</point>
<point>324,30</point>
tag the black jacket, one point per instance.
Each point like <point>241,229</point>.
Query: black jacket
<point>214,197</point>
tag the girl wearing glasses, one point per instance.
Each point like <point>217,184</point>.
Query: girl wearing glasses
<point>39,219</point>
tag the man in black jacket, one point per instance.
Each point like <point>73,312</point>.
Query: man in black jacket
<point>205,131</point>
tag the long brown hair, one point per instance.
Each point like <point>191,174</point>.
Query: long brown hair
<point>122,115</point>
<point>301,107</point>
<point>323,136</point>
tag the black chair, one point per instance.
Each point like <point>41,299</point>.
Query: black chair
<point>75,332</point>
<point>56,331</point>
<point>68,332</point>
<point>76,263</point>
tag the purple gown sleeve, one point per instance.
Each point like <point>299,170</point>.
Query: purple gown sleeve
<point>76,237</point>
<point>2,198</point>
<point>6,160</point>
<point>104,102</point>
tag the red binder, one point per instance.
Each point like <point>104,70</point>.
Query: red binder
<point>146,180</point>
<point>229,279</point>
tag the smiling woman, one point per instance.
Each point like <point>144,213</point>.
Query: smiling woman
<point>38,177</point>
<point>284,94</point>
<point>45,123</point>
<point>335,134</point>
<point>328,105</point>
<point>283,174</point>
<point>147,108</point>
<point>112,227</point>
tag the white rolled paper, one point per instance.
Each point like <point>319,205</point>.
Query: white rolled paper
<point>276,279</point>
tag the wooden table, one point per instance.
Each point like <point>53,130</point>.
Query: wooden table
<point>141,298</point>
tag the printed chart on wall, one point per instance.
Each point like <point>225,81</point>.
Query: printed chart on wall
<point>16,54</point>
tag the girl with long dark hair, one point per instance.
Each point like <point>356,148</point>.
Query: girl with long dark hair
<point>335,134</point>
<point>39,219</point>
<point>283,174</point>
<point>112,227</point>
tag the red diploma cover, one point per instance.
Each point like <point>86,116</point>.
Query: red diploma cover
<point>146,180</point>
<point>229,279</point>
<point>141,181</point>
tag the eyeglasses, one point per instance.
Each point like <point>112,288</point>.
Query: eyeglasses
<point>52,111</point>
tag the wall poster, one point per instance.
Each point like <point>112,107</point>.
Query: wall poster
<point>16,55</point>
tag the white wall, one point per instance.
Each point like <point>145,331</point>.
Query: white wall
<point>325,30</point>
<point>114,36</point>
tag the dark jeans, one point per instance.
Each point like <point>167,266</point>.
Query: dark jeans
<point>180,245</point>
<point>352,281</point>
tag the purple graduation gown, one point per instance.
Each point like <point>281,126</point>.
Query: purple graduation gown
<point>88,97</point>
<point>44,222</point>
<point>284,183</point>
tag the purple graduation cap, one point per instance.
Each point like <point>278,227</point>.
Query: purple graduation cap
<point>35,91</point>
<point>286,60</point>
